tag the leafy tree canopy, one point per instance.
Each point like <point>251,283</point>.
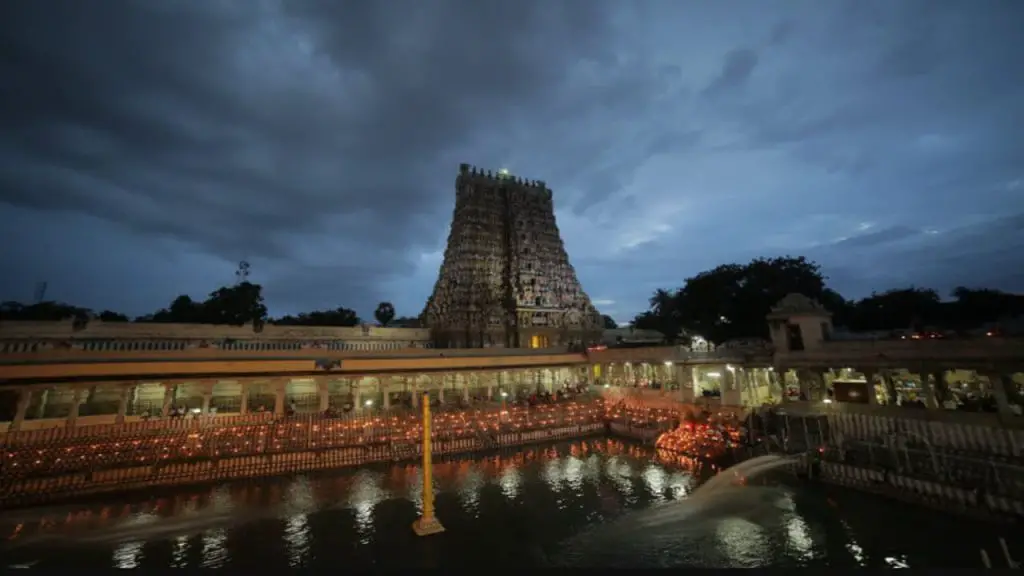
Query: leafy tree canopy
<point>240,304</point>
<point>384,313</point>
<point>337,317</point>
<point>609,323</point>
<point>732,300</point>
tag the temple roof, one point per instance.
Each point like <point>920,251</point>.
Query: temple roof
<point>795,304</point>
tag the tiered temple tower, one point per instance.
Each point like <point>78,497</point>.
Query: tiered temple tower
<point>506,280</point>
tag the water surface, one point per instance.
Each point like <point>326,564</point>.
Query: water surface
<point>590,503</point>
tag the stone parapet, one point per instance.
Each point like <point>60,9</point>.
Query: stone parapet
<point>97,329</point>
<point>952,353</point>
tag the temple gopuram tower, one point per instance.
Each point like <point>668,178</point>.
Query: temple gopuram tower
<point>506,280</point>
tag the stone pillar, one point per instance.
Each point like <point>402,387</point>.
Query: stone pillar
<point>776,382</point>
<point>1000,383</point>
<point>122,404</point>
<point>324,393</point>
<point>1009,387</point>
<point>165,410</point>
<point>687,384</point>
<point>941,387</point>
<point>280,391</point>
<point>804,380</point>
<point>892,397</point>
<point>44,396</point>
<point>869,376</point>
<point>440,393</point>
<point>748,386</point>
<point>207,391</point>
<point>24,400</point>
<point>76,401</point>
<point>927,390</point>
<point>243,407</point>
<point>415,394</point>
<point>728,397</point>
<point>386,400</point>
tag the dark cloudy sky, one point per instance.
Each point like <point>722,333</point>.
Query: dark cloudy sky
<point>147,146</point>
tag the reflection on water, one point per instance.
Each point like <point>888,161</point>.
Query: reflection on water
<point>594,503</point>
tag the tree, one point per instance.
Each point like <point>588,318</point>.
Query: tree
<point>732,300</point>
<point>43,312</point>
<point>406,322</point>
<point>384,313</point>
<point>338,317</point>
<point>900,309</point>
<point>236,305</point>
<point>973,308</point>
<point>609,322</point>
<point>666,323</point>
<point>183,310</point>
<point>111,316</point>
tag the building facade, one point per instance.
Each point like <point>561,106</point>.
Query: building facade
<point>63,373</point>
<point>506,280</point>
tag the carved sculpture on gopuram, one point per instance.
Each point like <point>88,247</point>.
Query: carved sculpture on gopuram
<point>506,280</point>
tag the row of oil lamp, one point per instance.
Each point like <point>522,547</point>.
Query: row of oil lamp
<point>699,440</point>
<point>283,436</point>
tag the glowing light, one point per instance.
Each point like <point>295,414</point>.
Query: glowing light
<point>127,555</point>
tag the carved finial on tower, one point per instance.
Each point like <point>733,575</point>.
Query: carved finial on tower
<point>463,168</point>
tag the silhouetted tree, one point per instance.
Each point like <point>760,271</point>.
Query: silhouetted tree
<point>43,312</point>
<point>406,322</point>
<point>902,309</point>
<point>731,301</point>
<point>183,310</point>
<point>384,313</point>
<point>973,308</point>
<point>236,305</point>
<point>336,317</point>
<point>110,316</point>
<point>609,322</point>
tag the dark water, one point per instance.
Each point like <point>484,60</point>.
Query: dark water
<point>587,503</point>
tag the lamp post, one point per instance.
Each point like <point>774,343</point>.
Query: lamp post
<point>427,524</point>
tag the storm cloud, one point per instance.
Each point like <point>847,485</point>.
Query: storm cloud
<point>146,147</point>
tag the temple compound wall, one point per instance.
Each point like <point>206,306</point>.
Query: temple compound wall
<point>506,280</point>
<point>99,336</point>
